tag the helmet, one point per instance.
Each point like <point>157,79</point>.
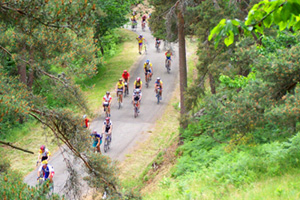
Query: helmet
<point>120,79</point>
<point>45,162</point>
<point>158,78</point>
<point>141,36</point>
<point>137,90</point>
<point>107,92</point>
<point>107,118</point>
<point>125,71</point>
<point>43,147</point>
<point>138,78</point>
<point>94,131</point>
<point>84,116</point>
<point>147,61</point>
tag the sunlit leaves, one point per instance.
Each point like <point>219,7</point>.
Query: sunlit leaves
<point>284,13</point>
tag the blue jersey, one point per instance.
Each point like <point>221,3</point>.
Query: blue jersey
<point>46,171</point>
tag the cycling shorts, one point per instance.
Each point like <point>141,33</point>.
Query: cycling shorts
<point>149,70</point>
<point>96,142</point>
<point>168,57</point>
<point>141,44</point>
<point>44,158</point>
<point>120,90</point>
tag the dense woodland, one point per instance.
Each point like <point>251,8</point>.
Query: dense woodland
<point>242,109</point>
<point>244,104</point>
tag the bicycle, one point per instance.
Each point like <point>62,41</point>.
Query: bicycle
<point>119,99</point>
<point>107,142</point>
<point>147,79</point>
<point>133,25</point>
<point>168,66</point>
<point>136,109</point>
<point>42,182</point>
<point>126,89</point>
<point>157,47</point>
<point>158,95</point>
<point>105,104</point>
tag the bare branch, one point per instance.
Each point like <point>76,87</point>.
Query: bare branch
<point>15,147</point>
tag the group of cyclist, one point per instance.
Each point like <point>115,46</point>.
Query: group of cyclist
<point>46,170</point>
<point>134,20</point>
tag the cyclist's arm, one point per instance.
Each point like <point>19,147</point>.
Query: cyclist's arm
<point>103,129</point>
<point>48,154</point>
<point>110,129</point>
<point>39,171</point>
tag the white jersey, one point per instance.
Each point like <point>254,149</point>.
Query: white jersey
<point>106,98</point>
<point>107,125</point>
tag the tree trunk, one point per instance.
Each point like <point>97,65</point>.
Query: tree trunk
<point>212,83</point>
<point>182,68</point>
<point>22,72</point>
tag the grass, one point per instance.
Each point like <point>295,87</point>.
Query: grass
<point>31,135</point>
<point>134,170</point>
<point>109,74</point>
<point>277,188</point>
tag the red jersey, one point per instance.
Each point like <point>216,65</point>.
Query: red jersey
<point>86,121</point>
<point>126,76</point>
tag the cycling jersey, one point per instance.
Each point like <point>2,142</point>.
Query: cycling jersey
<point>138,84</point>
<point>133,18</point>
<point>120,85</point>
<point>107,125</point>
<point>126,75</point>
<point>136,96</point>
<point>45,154</point>
<point>140,40</point>
<point>46,171</point>
<point>168,55</point>
<point>147,66</point>
<point>107,98</point>
<point>158,83</point>
<point>144,18</point>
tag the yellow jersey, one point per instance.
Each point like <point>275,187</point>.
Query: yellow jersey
<point>138,84</point>
<point>140,40</point>
<point>120,85</point>
<point>147,66</point>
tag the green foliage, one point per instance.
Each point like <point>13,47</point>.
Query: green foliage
<point>12,187</point>
<point>283,13</point>
<point>238,81</point>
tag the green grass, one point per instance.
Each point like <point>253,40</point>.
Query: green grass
<point>286,186</point>
<point>109,74</point>
<point>30,137</point>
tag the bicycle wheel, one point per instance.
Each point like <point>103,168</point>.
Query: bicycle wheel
<point>135,111</point>
<point>105,145</point>
<point>158,97</point>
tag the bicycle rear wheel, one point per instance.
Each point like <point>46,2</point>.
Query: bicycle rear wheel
<point>135,111</point>
<point>158,97</point>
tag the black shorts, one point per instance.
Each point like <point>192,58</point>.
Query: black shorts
<point>44,158</point>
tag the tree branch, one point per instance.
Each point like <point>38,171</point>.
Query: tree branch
<point>15,147</point>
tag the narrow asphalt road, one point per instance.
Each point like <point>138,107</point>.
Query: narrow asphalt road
<point>127,130</point>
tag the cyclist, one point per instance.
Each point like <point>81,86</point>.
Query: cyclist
<point>97,141</point>
<point>168,57</point>
<point>126,77</point>
<point>158,84</point>
<point>138,83</point>
<point>144,17</point>
<point>107,128</point>
<point>133,19</point>
<point>44,154</point>
<point>148,70</point>
<point>136,98</point>
<point>140,40</point>
<point>86,122</point>
<point>107,101</point>
<point>47,170</point>
<point>157,42</point>
<point>120,88</point>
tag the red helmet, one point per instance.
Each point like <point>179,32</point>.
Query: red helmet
<point>125,71</point>
<point>107,118</point>
<point>43,147</point>
<point>138,79</point>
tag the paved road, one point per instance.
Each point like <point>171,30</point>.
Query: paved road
<point>127,130</point>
